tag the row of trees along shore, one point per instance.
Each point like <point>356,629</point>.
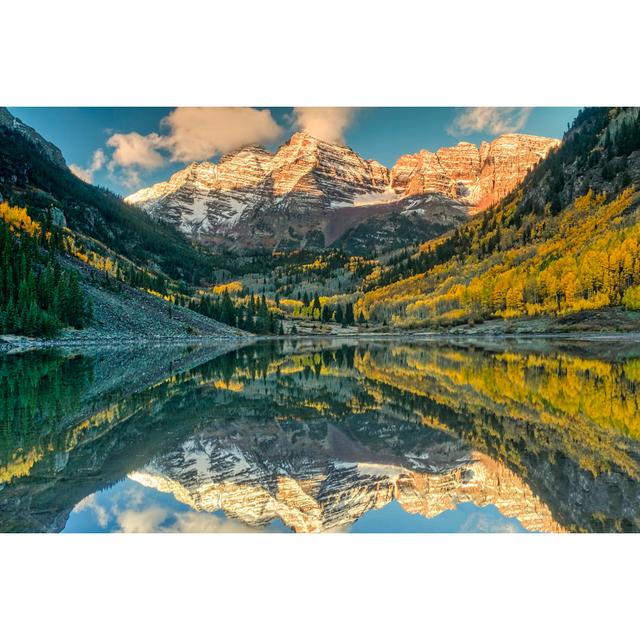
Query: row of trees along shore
<point>253,313</point>
<point>312,308</point>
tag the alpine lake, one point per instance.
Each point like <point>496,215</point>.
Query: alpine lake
<point>323,435</point>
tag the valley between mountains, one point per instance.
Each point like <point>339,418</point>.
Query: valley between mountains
<point>519,234</point>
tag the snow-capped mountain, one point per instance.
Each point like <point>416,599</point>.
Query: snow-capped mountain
<point>311,193</point>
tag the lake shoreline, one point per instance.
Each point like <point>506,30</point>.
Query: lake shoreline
<point>593,326</point>
<point>440,335</point>
<point>19,344</point>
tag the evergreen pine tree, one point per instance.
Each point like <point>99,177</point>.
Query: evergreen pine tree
<point>227,311</point>
<point>348,316</point>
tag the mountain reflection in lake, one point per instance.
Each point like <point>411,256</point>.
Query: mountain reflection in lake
<point>333,435</point>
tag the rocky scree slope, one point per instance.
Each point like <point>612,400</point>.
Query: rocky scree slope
<point>123,313</point>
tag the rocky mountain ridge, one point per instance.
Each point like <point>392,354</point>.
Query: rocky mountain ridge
<point>293,197</point>
<point>476,176</point>
<point>49,150</point>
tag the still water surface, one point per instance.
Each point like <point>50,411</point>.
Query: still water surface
<point>333,435</point>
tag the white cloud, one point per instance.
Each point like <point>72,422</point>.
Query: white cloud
<point>197,133</point>
<point>150,520</point>
<point>133,153</point>
<point>97,162</point>
<point>199,522</point>
<point>134,149</point>
<point>129,177</point>
<point>90,503</point>
<point>144,521</point>
<point>192,133</point>
<point>325,123</point>
<point>488,523</point>
<point>81,173</point>
<point>493,120</point>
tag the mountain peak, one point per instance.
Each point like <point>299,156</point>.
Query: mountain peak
<point>249,154</point>
<point>304,137</point>
<point>292,193</point>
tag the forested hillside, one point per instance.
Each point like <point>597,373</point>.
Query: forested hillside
<point>30,178</point>
<point>567,240</point>
<point>37,295</point>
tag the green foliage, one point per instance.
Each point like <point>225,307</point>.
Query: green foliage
<point>253,315</point>
<point>37,296</point>
<point>349,318</point>
<point>39,386</point>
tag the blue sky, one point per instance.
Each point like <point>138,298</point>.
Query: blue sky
<point>126,148</point>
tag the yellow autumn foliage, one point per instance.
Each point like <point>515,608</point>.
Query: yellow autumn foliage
<point>589,259</point>
<point>18,219</point>
<point>231,288</point>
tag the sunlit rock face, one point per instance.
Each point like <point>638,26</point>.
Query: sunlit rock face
<point>482,481</point>
<point>478,177</point>
<point>311,193</point>
<point>310,172</point>
<point>315,487</point>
